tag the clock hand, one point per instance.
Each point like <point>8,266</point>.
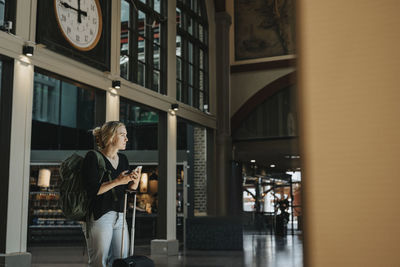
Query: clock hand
<point>80,12</point>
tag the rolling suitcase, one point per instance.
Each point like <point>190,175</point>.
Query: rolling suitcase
<point>131,260</point>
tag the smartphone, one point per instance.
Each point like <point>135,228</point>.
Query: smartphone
<point>138,169</point>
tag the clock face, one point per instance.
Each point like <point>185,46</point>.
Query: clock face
<point>80,22</point>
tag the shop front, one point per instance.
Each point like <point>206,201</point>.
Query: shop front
<point>63,113</point>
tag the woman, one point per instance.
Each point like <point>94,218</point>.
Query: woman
<point>105,226</point>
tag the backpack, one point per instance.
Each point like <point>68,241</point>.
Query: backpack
<point>74,200</point>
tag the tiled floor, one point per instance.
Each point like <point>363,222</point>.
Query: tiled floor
<point>258,250</point>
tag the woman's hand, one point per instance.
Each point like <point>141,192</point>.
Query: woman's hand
<point>124,178</point>
<point>135,178</point>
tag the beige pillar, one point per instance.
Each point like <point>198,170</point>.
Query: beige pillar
<point>349,64</point>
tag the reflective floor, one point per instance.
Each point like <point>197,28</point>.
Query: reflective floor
<point>258,250</point>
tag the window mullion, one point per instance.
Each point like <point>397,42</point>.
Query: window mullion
<point>133,45</point>
<point>196,81</point>
<point>148,53</point>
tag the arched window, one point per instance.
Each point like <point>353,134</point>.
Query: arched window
<point>143,43</point>
<point>192,53</point>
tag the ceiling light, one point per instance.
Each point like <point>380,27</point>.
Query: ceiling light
<point>253,161</point>
<point>272,165</point>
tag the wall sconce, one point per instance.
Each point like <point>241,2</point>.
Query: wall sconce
<point>27,50</point>
<point>116,84</point>
<point>175,107</point>
<point>44,178</point>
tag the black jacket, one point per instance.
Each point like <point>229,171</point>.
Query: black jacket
<point>105,202</point>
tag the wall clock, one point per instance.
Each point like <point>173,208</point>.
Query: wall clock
<point>77,29</point>
<point>80,22</point>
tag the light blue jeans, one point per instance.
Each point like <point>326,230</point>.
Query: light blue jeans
<point>104,239</point>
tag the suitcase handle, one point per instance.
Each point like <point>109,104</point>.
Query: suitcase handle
<point>132,245</point>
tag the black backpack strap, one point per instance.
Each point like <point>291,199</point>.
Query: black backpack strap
<point>104,172</point>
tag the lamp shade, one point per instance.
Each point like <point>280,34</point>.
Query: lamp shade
<point>144,183</point>
<point>153,187</point>
<point>44,178</point>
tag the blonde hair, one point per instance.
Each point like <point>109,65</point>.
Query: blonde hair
<point>105,134</point>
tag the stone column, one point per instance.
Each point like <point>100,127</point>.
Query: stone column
<point>15,216</point>
<point>166,242</point>
<point>223,139</point>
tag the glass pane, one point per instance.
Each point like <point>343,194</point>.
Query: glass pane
<point>198,11</point>
<point>62,114</point>
<point>156,80</point>
<point>194,5</point>
<point>190,52</point>
<point>124,66</point>
<point>178,18</point>
<point>46,99</point>
<point>201,80</point>
<point>179,91</point>
<point>179,68</point>
<point>195,97</point>
<point>178,45</point>
<point>190,25</point>
<point>195,32</point>
<point>156,32</point>
<point>201,33</point>
<point>85,109</point>
<point>125,11</point>
<point>201,100</point>
<point>69,105</point>
<point>141,73</point>
<point>141,48</point>
<point>124,44</point>
<point>157,6</point>
<point>191,69</point>
<point>2,12</point>
<point>123,114</point>
<point>156,56</point>
<point>190,95</point>
<point>143,1</point>
<point>201,59</point>
<point>141,125</point>
<point>141,22</point>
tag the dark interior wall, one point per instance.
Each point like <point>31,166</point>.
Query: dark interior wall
<point>5,138</point>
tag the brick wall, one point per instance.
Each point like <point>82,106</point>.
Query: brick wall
<point>200,171</point>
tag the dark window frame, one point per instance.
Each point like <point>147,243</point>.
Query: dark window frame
<point>133,53</point>
<point>190,93</point>
<point>6,95</point>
